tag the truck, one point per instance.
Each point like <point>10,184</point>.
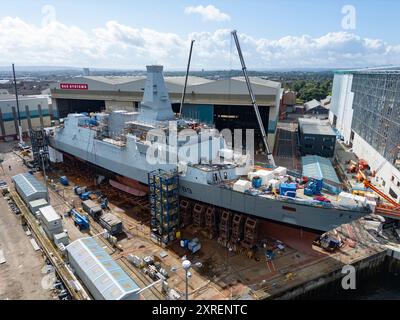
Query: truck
<point>80,220</point>
<point>92,208</point>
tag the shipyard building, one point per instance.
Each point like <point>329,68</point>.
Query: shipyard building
<point>316,137</point>
<point>34,112</point>
<point>365,110</point>
<point>225,103</point>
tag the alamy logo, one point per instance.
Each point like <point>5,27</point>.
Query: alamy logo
<point>349,280</point>
<point>204,146</point>
<point>49,15</point>
<point>349,19</point>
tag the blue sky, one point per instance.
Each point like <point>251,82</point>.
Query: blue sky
<point>281,33</point>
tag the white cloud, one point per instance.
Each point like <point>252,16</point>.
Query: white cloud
<point>208,13</point>
<point>118,45</point>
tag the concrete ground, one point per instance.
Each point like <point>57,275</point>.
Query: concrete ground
<point>23,275</point>
<point>224,275</point>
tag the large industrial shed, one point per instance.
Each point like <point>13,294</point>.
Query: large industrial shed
<point>322,169</point>
<point>29,188</point>
<point>101,275</point>
<point>319,168</point>
<point>34,113</point>
<point>225,102</point>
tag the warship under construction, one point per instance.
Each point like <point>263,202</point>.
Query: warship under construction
<point>119,142</point>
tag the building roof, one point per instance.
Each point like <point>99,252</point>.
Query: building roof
<point>235,85</point>
<point>192,80</point>
<point>374,70</point>
<point>326,101</point>
<point>312,104</point>
<point>38,202</point>
<point>11,98</point>
<point>115,80</point>
<point>319,168</point>
<point>107,280</point>
<point>260,81</point>
<point>317,129</point>
<point>315,126</point>
<point>49,214</point>
<point>28,184</point>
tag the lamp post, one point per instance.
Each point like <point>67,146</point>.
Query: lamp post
<point>186,265</point>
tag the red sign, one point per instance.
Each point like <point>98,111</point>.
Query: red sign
<point>74,86</point>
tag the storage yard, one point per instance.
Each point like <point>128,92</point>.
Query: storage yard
<point>225,273</point>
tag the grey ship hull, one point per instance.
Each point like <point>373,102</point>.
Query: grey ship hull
<point>321,219</point>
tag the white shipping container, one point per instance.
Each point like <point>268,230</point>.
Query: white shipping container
<point>280,171</point>
<point>242,185</point>
<point>265,176</point>
<point>50,233</point>
<point>275,183</point>
<point>50,218</point>
<point>35,205</point>
<point>252,175</point>
<point>61,238</point>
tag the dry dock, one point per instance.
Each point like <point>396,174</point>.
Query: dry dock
<point>298,269</point>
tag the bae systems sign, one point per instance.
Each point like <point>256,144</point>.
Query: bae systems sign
<point>74,86</point>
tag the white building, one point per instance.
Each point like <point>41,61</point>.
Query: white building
<point>34,113</point>
<point>365,109</point>
<point>341,110</point>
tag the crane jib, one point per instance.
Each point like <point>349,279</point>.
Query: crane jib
<point>253,100</point>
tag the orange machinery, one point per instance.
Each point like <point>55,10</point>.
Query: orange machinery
<point>392,209</point>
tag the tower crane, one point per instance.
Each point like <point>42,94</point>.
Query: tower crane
<point>253,100</point>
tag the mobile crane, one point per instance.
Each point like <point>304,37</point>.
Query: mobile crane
<point>253,100</point>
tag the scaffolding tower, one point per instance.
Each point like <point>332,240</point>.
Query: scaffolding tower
<point>376,112</point>
<point>40,147</point>
<point>164,205</point>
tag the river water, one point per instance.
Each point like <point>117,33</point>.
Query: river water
<point>383,286</point>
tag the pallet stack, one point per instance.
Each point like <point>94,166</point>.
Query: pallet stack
<point>211,222</point>
<point>198,215</point>
<point>250,233</point>
<point>185,208</point>
<point>237,228</point>
<point>225,227</point>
